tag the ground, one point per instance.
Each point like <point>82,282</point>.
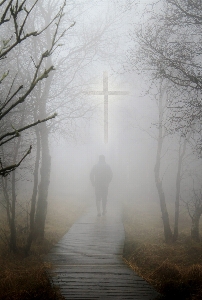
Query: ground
<point>175,269</point>
<point>25,278</point>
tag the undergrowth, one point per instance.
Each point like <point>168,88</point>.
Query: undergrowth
<point>174,270</point>
<point>25,278</point>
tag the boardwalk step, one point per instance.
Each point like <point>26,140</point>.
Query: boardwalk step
<point>88,262</point>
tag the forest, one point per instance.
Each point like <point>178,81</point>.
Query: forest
<point>80,79</point>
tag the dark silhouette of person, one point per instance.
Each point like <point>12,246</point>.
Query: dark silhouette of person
<point>101,176</point>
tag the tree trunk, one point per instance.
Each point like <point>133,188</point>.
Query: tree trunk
<point>165,218</point>
<point>45,170</point>
<point>44,184</point>
<point>36,180</point>
<point>8,212</point>
<point>182,150</point>
<point>195,224</point>
<point>177,203</point>
<point>34,194</point>
<point>13,244</point>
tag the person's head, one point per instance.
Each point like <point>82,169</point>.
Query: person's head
<point>101,158</point>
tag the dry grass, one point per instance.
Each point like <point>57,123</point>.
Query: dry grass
<point>26,278</point>
<point>175,270</point>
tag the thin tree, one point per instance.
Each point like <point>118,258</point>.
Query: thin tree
<point>15,15</point>
<point>158,180</point>
<point>168,51</point>
<point>194,207</point>
<point>14,18</point>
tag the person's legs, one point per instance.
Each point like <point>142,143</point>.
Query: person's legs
<point>98,207</point>
<point>104,200</point>
<point>98,200</point>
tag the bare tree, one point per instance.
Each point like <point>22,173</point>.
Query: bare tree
<point>15,16</point>
<point>170,41</point>
<point>168,50</point>
<point>159,184</point>
<point>66,89</point>
<point>194,207</point>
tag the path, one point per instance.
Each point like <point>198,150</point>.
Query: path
<point>88,261</point>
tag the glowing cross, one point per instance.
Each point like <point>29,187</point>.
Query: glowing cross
<point>106,93</point>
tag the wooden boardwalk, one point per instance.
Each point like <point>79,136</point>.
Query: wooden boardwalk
<point>88,261</point>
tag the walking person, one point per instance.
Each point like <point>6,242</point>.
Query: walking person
<point>101,176</point>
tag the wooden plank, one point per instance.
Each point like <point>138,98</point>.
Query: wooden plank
<point>88,261</point>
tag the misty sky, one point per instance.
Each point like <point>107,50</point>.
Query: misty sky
<point>100,41</point>
<point>129,147</point>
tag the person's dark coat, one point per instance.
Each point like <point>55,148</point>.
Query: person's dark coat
<point>101,175</point>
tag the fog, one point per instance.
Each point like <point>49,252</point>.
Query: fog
<point>100,149</point>
<point>129,151</point>
<point>99,38</point>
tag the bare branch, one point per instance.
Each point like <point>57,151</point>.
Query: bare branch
<point>5,171</point>
<point>16,132</point>
<point>6,103</point>
<point>3,17</point>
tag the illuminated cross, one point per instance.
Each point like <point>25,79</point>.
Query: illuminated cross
<point>106,93</point>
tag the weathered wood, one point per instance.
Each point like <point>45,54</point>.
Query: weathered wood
<point>88,261</point>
